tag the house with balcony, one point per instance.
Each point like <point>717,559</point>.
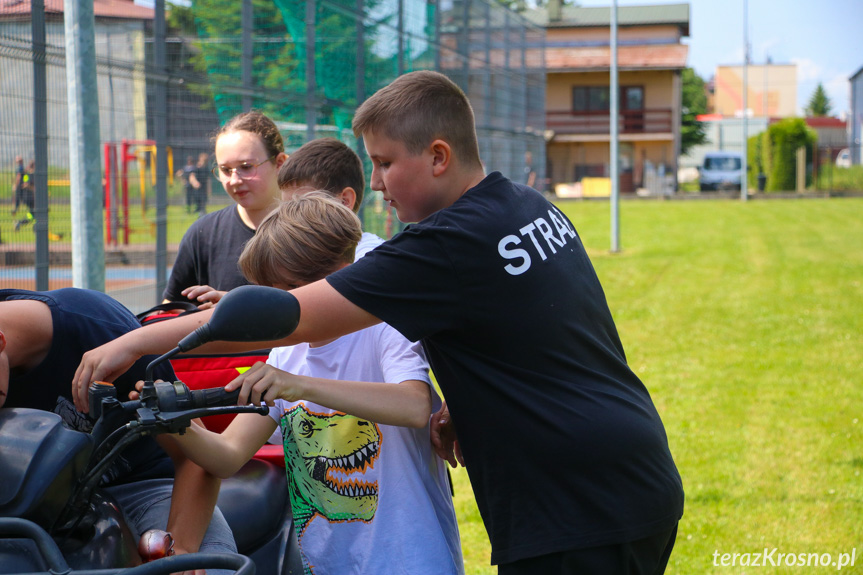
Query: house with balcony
<point>650,58</point>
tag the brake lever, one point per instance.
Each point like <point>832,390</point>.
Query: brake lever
<point>155,422</point>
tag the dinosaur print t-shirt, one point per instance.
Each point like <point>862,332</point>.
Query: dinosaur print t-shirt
<point>366,498</point>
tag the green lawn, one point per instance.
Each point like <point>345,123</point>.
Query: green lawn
<point>745,321</point>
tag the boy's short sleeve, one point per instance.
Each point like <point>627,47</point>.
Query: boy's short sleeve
<point>408,282</point>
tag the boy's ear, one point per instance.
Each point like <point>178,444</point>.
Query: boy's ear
<point>348,197</point>
<point>441,157</point>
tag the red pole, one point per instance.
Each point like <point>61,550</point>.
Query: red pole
<point>124,152</point>
<point>108,229</point>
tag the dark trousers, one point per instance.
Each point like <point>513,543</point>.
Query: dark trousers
<point>648,556</point>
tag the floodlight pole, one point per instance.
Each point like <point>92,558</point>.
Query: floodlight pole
<point>613,112</point>
<point>744,177</point>
<point>85,173</point>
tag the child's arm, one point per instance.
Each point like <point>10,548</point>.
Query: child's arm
<point>407,404</point>
<point>223,454</point>
<point>193,499</point>
<point>325,314</point>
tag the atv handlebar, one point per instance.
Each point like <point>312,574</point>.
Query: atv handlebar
<point>53,558</point>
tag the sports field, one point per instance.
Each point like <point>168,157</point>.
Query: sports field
<point>745,321</point>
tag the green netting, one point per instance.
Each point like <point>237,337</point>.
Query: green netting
<point>313,62</point>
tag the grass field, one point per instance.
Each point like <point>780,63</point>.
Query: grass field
<point>745,321</point>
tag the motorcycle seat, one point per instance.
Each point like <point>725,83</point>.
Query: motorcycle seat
<point>255,503</point>
<point>42,459</point>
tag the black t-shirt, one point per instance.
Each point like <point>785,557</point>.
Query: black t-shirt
<point>202,173</point>
<point>209,252</point>
<point>563,444</point>
<point>82,320</point>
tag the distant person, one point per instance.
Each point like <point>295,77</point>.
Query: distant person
<point>185,174</point>
<point>28,196</point>
<point>18,185</point>
<point>200,178</point>
<point>529,172</point>
<point>249,151</point>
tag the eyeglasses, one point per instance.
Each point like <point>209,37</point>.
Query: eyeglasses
<point>244,171</point>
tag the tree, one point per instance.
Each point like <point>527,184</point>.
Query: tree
<point>694,102</point>
<point>819,103</point>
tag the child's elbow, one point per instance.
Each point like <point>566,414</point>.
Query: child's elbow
<point>418,420</point>
<point>418,417</point>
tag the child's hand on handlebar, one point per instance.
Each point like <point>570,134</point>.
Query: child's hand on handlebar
<point>263,383</point>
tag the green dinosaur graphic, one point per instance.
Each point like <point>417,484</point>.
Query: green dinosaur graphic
<point>328,457</point>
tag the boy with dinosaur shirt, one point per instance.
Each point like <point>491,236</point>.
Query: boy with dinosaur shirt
<point>354,414</point>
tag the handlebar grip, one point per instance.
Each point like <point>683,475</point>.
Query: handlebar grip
<point>213,397</point>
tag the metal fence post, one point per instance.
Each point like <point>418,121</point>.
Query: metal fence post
<point>85,175</point>
<point>40,144</point>
<point>160,129</point>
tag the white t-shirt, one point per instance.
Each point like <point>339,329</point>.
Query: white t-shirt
<point>367,498</point>
<point>367,243</point>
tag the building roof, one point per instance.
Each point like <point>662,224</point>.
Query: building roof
<point>126,9</point>
<point>600,16</point>
<point>825,122</point>
<point>644,57</point>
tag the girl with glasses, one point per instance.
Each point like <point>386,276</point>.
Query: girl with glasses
<point>249,151</point>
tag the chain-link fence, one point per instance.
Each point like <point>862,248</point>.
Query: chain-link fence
<point>305,63</point>
<point>838,169</point>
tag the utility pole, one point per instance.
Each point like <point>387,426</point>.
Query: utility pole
<point>85,173</point>
<point>613,112</point>
<point>160,131</point>
<point>744,178</point>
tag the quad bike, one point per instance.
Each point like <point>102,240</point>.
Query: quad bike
<point>54,518</point>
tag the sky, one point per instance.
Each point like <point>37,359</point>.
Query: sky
<point>823,37</point>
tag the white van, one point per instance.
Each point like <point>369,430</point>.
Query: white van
<point>721,171</point>
<point>843,160</point>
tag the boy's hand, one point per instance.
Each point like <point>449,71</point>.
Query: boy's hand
<point>443,438</point>
<point>263,383</point>
<point>204,294</point>
<point>104,363</point>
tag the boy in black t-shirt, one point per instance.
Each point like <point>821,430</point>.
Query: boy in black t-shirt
<point>566,453</point>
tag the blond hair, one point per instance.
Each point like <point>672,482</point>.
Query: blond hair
<point>418,108</point>
<point>305,239</point>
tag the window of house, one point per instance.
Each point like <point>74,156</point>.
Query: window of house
<point>632,98</point>
<point>596,98</point>
<point>589,98</point>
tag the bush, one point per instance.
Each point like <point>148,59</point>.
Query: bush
<point>755,159</point>
<point>783,140</point>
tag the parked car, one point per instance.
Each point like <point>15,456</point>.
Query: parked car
<point>843,160</point>
<point>721,171</point>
